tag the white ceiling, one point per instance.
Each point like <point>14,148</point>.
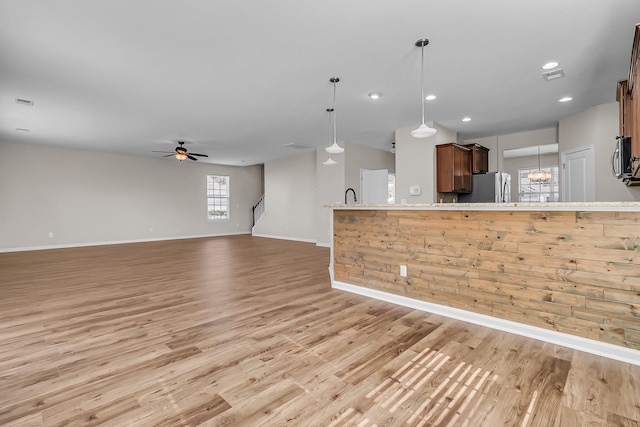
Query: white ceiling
<point>239,80</point>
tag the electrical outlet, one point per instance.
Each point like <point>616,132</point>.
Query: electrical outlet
<point>403,270</point>
<point>51,234</point>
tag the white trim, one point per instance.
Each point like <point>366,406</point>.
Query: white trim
<point>116,242</point>
<point>296,239</point>
<point>324,245</point>
<point>610,351</point>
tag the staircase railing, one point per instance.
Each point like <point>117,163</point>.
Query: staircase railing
<point>258,210</point>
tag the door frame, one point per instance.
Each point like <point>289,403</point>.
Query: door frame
<point>589,179</point>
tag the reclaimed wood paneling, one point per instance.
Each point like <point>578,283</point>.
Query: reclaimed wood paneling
<point>572,272</point>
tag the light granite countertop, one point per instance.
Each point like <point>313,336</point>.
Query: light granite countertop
<point>555,206</point>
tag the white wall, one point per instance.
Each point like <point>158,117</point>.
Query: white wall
<point>598,126</point>
<point>86,197</point>
<point>330,186</point>
<point>525,139</point>
<point>290,198</point>
<point>359,157</point>
<point>415,163</point>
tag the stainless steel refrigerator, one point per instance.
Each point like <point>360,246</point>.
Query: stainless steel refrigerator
<point>491,187</point>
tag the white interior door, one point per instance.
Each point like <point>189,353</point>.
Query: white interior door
<point>578,183</point>
<point>374,186</point>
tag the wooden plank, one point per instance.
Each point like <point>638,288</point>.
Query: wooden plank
<point>608,217</point>
<point>617,308</point>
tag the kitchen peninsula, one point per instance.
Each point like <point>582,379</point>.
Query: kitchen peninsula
<point>567,273</point>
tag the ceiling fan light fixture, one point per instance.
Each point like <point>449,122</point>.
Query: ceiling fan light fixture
<point>181,153</point>
<point>423,131</point>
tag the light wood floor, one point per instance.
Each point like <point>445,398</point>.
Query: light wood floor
<point>242,331</point>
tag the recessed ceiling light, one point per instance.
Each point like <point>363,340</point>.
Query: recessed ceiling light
<point>556,73</point>
<point>430,97</point>
<point>466,119</point>
<point>550,65</point>
<point>565,99</point>
<point>374,95</point>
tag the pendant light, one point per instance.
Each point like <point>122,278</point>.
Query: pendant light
<point>334,148</point>
<point>330,161</point>
<point>539,175</point>
<point>423,131</point>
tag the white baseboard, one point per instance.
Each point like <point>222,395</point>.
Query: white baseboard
<point>295,239</point>
<point>610,351</point>
<point>115,242</point>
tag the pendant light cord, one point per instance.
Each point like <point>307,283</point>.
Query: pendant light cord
<point>335,136</point>
<point>422,80</point>
<point>539,158</point>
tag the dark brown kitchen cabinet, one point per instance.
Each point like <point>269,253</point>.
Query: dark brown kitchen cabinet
<point>479,158</point>
<point>453,168</point>
<point>629,98</point>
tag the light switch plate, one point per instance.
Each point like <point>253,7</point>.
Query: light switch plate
<point>414,190</point>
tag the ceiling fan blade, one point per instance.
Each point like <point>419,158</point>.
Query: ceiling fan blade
<point>201,155</point>
<point>168,155</point>
<point>163,151</point>
<point>191,157</point>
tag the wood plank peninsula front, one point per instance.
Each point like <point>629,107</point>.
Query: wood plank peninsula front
<point>568,268</point>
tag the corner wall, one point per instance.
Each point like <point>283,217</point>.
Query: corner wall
<point>289,197</point>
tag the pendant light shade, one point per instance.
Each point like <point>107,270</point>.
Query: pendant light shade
<point>423,131</point>
<point>334,148</point>
<point>329,161</point>
<point>539,175</point>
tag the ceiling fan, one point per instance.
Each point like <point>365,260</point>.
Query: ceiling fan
<point>181,153</point>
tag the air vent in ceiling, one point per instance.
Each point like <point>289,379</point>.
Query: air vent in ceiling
<point>23,101</point>
<point>297,146</point>
<point>553,74</point>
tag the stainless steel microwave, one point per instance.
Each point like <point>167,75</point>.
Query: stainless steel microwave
<point>621,158</point>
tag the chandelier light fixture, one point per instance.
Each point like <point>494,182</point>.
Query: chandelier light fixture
<point>539,175</point>
<point>423,131</point>
<point>334,148</point>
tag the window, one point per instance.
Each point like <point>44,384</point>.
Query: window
<point>391,186</point>
<point>217,197</point>
<point>538,191</point>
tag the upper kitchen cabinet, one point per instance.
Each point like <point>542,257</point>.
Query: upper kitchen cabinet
<point>629,98</point>
<point>479,158</point>
<point>453,168</point>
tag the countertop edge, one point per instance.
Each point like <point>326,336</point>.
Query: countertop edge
<point>560,206</point>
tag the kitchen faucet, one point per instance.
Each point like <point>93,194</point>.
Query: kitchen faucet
<point>354,195</point>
